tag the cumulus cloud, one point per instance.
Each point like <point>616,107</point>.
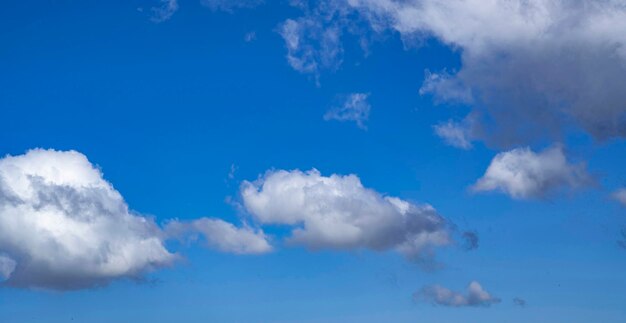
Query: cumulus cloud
<point>438,295</point>
<point>65,227</point>
<point>620,196</point>
<point>522,173</point>
<point>221,235</point>
<point>165,11</point>
<point>530,68</point>
<point>338,212</point>
<point>355,108</point>
<point>454,134</point>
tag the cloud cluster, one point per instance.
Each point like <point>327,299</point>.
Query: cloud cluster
<point>522,173</point>
<point>355,108</point>
<point>338,212</point>
<point>438,295</point>
<point>530,68</point>
<point>63,226</point>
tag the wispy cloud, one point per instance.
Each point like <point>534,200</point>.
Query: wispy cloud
<point>354,108</point>
<point>165,11</point>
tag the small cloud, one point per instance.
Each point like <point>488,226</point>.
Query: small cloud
<point>445,88</point>
<point>522,173</point>
<point>519,302</point>
<point>437,295</point>
<point>470,240</point>
<point>354,108</point>
<point>165,11</point>
<point>233,170</point>
<point>455,134</point>
<point>250,36</point>
<point>620,196</point>
<point>221,235</point>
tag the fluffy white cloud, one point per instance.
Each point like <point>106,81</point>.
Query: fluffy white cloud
<point>222,236</point>
<point>438,295</point>
<point>355,108</point>
<point>522,173</point>
<point>338,212</point>
<point>620,196</point>
<point>65,227</point>
<point>530,68</point>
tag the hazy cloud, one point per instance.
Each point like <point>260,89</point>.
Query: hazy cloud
<point>438,295</point>
<point>165,11</point>
<point>471,240</point>
<point>522,173</point>
<point>355,108</point>
<point>620,196</point>
<point>230,5</point>
<point>519,302</point>
<point>338,212</point>
<point>454,134</point>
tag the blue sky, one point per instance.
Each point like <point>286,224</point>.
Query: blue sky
<point>181,114</point>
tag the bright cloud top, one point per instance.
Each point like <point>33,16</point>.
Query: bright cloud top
<point>522,173</point>
<point>338,212</point>
<point>65,227</point>
<point>438,295</point>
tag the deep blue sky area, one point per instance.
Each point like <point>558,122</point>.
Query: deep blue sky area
<point>177,114</point>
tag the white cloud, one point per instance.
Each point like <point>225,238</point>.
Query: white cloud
<point>522,173</point>
<point>63,226</point>
<point>222,236</point>
<point>354,108</point>
<point>338,212</point>
<point>620,196</point>
<point>165,11</point>
<point>66,227</point>
<point>438,295</point>
<point>454,134</point>
<point>530,68</point>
